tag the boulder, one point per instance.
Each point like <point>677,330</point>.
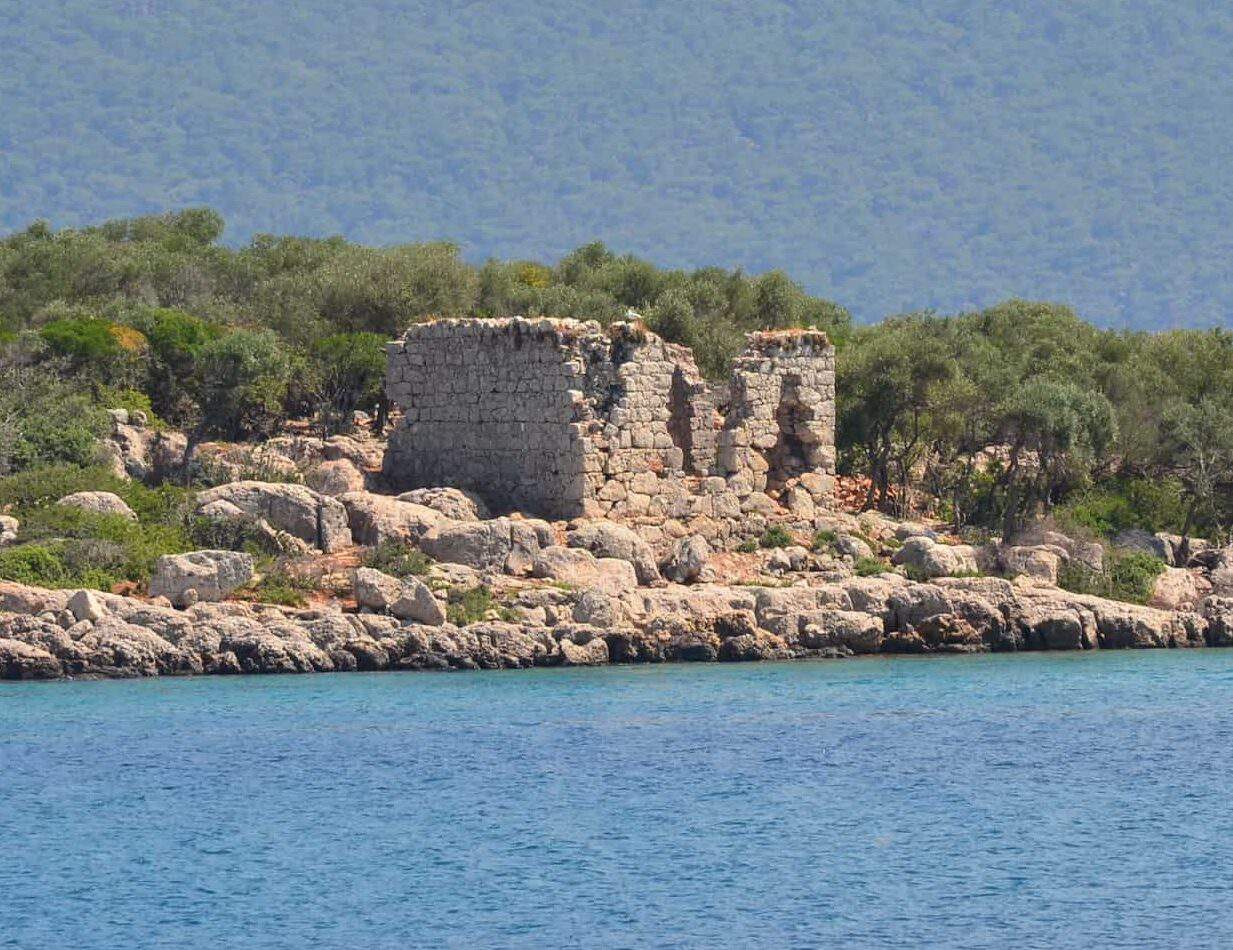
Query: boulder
<point>851,546</point>
<point>923,556</point>
<point>607,539</point>
<point>337,477</point>
<point>687,560</point>
<point>1178,588</point>
<point>484,545</point>
<point>375,519</point>
<point>592,653</point>
<point>1037,561</point>
<point>185,579</point>
<point>415,602</point>
<point>300,511</point>
<point>99,503</point>
<point>1136,539</point>
<point>407,598</point>
<point>374,589</point>
<point>454,503</point>
<point>847,630</point>
<point>9,527</point>
<point>580,568</point>
<point>598,609</point>
<point>87,605</point>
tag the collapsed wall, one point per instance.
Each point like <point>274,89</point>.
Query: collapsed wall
<point>563,419</point>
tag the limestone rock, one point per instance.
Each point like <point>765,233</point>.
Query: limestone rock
<point>99,503</point>
<point>1178,588</point>
<point>848,630</point>
<point>1037,561</point>
<point>687,560</point>
<point>87,605</point>
<point>454,503</point>
<point>416,603</point>
<point>478,544</point>
<point>374,589</point>
<point>851,546</point>
<point>607,539</point>
<point>599,609</point>
<point>592,653</point>
<point>335,478</point>
<point>921,554</point>
<point>21,661</point>
<point>375,519</point>
<point>580,568</point>
<point>303,513</point>
<point>209,575</point>
<point>9,527</point>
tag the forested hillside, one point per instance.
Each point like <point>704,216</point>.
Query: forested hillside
<point>890,155</point>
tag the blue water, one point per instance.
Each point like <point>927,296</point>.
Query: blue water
<point>991,801</point>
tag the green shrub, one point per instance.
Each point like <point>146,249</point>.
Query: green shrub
<point>776,536</point>
<point>228,534</point>
<point>466,605</point>
<point>47,483</point>
<point>824,540</point>
<point>1128,576</point>
<point>868,567</point>
<point>280,586</point>
<point>397,558</point>
<point>37,564</point>
<point>1152,504</point>
<point>131,548</point>
<point>747,547</point>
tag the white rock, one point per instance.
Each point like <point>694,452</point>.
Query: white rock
<point>100,503</point>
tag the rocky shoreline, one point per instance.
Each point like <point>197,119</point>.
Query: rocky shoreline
<point>50,634</point>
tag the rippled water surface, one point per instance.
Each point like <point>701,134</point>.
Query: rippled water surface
<point>1005,801</point>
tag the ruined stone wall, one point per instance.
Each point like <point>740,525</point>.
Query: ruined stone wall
<point>781,421</point>
<point>490,406</point>
<point>564,419</point>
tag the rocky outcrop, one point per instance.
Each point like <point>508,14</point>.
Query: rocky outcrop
<point>924,557</point>
<point>591,612</point>
<point>9,527</point>
<point>317,519</point>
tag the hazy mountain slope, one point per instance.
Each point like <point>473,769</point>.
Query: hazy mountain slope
<point>891,155</point>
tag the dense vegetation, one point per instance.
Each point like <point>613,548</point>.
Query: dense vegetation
<point>988,419</point>
<point>890,154</point>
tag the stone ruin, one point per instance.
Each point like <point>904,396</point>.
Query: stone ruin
<point>565,419</point>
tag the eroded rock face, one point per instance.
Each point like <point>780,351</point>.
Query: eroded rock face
<point>99,503</point>
<point>185,579</point>
<point>303,513</point>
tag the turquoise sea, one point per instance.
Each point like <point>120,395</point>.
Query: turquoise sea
<point>1064,800</point>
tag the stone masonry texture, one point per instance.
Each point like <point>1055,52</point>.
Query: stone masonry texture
<point>563,419</point>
